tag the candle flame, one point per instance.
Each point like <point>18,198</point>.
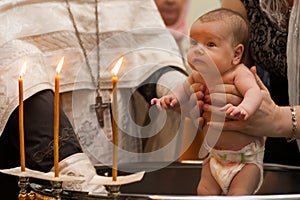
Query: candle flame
<point>117,66</point>
<point>23,69</point>
<point>60,64</point>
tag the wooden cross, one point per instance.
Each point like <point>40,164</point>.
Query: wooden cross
<point>99,107</point>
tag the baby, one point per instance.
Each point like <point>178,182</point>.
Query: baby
<point>234,165</point>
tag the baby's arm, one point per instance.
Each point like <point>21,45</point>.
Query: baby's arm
<point>179,95</point>
<point>247,86</point>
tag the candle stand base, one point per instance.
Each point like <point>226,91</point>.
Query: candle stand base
<point>113,190</point>
<point>113,187</point>
<point>23,184</point>
<point>28,173</point>
<point>57,189</point>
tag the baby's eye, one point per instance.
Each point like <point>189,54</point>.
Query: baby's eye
<point>193,43</point>
<point>211,44</point>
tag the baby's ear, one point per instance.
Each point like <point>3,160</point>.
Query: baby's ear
<point>238,54</point>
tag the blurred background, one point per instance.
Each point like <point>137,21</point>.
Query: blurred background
<point>199,7</point>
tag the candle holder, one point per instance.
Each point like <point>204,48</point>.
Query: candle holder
<point>56,189</point>
<point>113,186</point>
<point>23,184</point>
<point>113,190</point>
<point>49,176</point>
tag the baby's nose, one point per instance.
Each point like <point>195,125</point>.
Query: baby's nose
<point>199,50</point>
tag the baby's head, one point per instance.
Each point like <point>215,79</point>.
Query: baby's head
<point>236,23</point>
<point>223,34</point>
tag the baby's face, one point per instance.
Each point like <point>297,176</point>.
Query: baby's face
<point>211,42</point>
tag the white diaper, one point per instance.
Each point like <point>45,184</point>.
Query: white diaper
<point>223,174</point>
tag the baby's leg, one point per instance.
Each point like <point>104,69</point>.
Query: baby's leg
<point>246,181</point>
<point>207,184</point>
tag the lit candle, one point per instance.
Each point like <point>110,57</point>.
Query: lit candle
<point>21,119</point>
<point>114,80</point>
<point>56,118</point>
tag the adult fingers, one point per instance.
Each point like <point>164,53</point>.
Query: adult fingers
<point>208,109</point>
<point>233,125</point>
<point>220,95</point>
<point>221,99</point>
<point>195,87</point>
<point>227,88</point>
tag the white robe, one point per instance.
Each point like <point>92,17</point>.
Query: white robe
<point>41,32</point>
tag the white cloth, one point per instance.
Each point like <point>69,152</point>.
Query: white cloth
<point>293,55</point>
<point>40,32</point>
<point>79,165</point>
<point>293,58</point>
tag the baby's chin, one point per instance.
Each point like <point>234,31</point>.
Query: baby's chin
<point>198,64</point>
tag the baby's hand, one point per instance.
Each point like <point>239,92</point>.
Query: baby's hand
<point>157,102</point>
<point>167,102</point>
<point>235,111</point>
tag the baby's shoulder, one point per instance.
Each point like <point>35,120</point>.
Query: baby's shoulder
<point>241,70</point>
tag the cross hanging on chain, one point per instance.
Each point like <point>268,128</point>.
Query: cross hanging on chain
<point>99,107</point>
